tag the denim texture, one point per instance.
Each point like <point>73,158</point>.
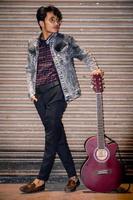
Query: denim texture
<point>63,49</point>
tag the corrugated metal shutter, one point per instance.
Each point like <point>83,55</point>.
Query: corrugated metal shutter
<point>106,28</point>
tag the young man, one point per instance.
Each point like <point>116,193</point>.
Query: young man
<point>52,82</point>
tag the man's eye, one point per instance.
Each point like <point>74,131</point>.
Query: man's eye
<point>52,20</point>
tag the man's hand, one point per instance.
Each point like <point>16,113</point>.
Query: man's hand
<point>97,71</point>
<point>33,98</point>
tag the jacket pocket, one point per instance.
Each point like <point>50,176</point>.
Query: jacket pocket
<point>61,47</point>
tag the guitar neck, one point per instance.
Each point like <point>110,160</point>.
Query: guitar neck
<point>100,121</point>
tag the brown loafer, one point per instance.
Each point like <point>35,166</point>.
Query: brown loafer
<point>31,188</point>
<point>71,185</point>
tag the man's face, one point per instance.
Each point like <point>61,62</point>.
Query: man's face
<point>51,23</point>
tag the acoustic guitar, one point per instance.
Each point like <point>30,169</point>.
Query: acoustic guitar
<point>101,171</point>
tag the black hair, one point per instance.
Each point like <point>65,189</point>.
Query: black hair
<point>42,13</point>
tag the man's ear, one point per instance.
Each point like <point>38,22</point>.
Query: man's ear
<point>41,23</point>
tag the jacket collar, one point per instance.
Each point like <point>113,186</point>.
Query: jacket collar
<point>51,39</point>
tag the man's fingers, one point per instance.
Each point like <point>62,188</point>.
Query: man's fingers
<point>97,71</point>
<point>33,98</point>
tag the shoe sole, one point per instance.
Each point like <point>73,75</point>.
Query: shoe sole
<point>27,192</point>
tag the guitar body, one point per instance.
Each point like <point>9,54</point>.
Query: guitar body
<point>104,174</point>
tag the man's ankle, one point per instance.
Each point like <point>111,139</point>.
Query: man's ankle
<point>38,182</point>
<point>74,178</point>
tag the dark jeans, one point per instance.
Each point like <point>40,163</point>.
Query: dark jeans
<point>50,106</point>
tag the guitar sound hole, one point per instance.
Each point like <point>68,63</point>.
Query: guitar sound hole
<point>102,154</point>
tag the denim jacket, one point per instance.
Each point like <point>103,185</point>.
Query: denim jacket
<point>63,49</point>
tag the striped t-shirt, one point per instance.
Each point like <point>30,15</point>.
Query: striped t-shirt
<point>46,71</point>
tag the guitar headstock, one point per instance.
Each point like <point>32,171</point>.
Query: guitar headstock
<point>97,83</point>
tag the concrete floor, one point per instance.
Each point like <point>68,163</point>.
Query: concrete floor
<point>55,192</point>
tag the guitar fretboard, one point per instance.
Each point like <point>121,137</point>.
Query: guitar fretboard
<point>100,121</point>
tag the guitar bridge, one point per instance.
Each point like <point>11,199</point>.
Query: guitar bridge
<point>104,171</point>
